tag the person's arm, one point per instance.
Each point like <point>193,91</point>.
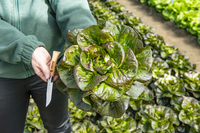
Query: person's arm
<point>72,14</point>
<point>15,47</point>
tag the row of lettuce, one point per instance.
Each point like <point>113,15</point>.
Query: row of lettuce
<point>186,13</point>
<point>170,103</point>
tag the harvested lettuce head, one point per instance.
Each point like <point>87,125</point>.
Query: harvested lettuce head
<point>104,62</point>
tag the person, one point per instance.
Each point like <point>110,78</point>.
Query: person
<point>30,30</point>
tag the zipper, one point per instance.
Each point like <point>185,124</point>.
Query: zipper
<point>18,27</point>
<point>17,13</point>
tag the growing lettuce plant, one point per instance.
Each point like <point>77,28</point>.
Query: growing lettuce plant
<point>180,62</point>
<point>192,83</point>
<point>111,3</point>
<point>124,124</point>
<point>96,5</point>
<point>190,113</point>
<point>184,12</point>
<point>145,98</point>
<point>33,120</point>
<point>159,4</point>
<point>104,62</point>
<point>118,8</point>
<point>78,115</point>
<point>132,21</point>
<point>85,127</point>
<point>155,119</point>
<point>167,51</point>
<point>144,29</point>
<point>168,86</point>
<point>154,40</point>
<point>159,68</point>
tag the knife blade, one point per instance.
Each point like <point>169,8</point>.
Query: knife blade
<point>50,80</point>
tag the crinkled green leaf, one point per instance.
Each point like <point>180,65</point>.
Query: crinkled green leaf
<point>118,8</point>
<point>146,79</point>
<point>109,93</point>
<point>95,58</point>
<point>84,127</point>
<point>167,51</point>
<point>86,79</point>
<point>188,118</point>
<point>195,129</point>
<point>135,104</point>
<point>147,95</point>
<point>133,33</point>
<point>144,62</point>
<point>190,113</point>
<point>65,69</point>
<point>72,36</point>
<point>114,109</point>
<point>124,124</point>
<point>160,125</point>
<point>71,56</point>
<point>27,131</point>
<point>92,36</point>
<point>180,62</point>
<point>61,86</point>
<point>95,4</point>
<point>116,52</point>
<point>159,113</point>
<point>145,126</point>
<point>99,11</point>
<point>159,67</point>
<point>126,73</point>
<point>108,16</point>
<point>136,90</point>
<point>67,76</point>
<point>125,35</point>
<point>176,102</point>
<point>171,85</point>
<point>132,21</point>
<point>160,117</point>
<point>163,94</point>
<point>111,3</point>
<point>76,96</point>
<point>77,114</point>
<point>190,102</point>
<point>164,101</point>
<point>192,83</point>
<point>196,94</point>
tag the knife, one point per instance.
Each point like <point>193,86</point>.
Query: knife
<point>50,80</point>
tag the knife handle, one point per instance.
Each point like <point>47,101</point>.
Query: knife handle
<point>53,62</point>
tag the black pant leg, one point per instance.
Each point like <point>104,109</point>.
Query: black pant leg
<point>14,100</point>
<point>55,116</point>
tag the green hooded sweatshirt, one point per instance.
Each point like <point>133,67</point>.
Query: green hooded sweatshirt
<point>27,24</point>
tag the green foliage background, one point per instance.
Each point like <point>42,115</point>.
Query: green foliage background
<point>185,13</point>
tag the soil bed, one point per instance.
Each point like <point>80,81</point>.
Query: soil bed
<point>173,35</point>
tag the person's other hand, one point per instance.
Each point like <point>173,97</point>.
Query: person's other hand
<point>40,61</point>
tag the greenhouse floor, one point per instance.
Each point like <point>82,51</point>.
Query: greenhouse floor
<point>173,35</point>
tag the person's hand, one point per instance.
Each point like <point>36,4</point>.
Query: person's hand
<point>41,61</point>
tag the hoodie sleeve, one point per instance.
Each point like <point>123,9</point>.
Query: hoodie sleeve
<point>72,14</point>
<point>15,47</point>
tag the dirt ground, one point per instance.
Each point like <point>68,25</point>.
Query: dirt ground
<point>173,35</point>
